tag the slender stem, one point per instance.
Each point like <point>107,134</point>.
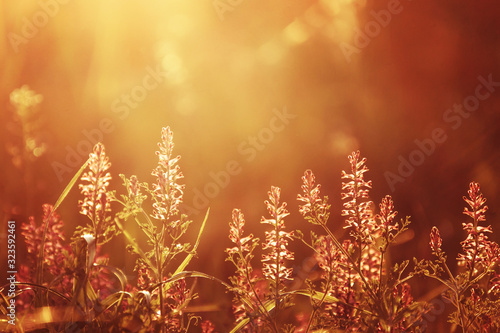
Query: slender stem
<point>247,273</point>
<point>158,253</point>
<point>315,308</point>
<point>261,308</point>
<point>278,268</point>
<point>344,252</point>
<point>475,235</point>
<point>454,288</point>
<point>380,272</point>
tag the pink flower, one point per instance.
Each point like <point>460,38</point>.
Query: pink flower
<point>245,281</point>
<point>96,199</point>
<point>55,256</point>
<point>403,292</point>
<point>476,203</point>
<point>358,208</point>
<point>236,229</point>
<point>276,240</point>
<point>315,208</point>
<point>207,327</point>
<point>479,252</point>
<point>436,240</point>
<point>387,214</point>
<point>168,193</point>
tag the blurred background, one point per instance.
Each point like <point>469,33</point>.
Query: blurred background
<point>271,87</point>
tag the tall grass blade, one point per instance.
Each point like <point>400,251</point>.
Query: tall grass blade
<point>269,305</point>
<point>190,256</point>
<point>39,266</point>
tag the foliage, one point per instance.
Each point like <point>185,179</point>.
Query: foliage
<point>372,294</point>
<point>475,291</point>
<point>357,288</point>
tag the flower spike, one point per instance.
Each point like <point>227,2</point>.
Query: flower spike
<point>96,202</point>
<point>168,193</point>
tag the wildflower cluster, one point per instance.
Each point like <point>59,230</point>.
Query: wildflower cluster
<point>360,290</point>
<point>164,227</point>
<point>56,272</point>
<point>253,306</point>
<point>247,299</point>
<point>480,254</point>
<point>336,282</point>
<point>78,278</point>
<point>353,287</point>
<point>56,253</point>
<point>475,292</point>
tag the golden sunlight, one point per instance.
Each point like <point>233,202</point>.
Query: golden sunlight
<point>143,143</point>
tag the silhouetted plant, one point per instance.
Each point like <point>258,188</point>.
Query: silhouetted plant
<point>368,294</point>
<point>76,283</point>
<point>164,227</point>
<point>358,288</point>
<point>256,308</point>
<point>96,203</point>
<point>475,291</point>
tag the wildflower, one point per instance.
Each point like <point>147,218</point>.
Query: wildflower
<point>474,292</point>
<point>168,193</point>
<point>178,295</point>
<point>403,292</point>
<point>207,327</point>
<point>55,256</point>
<point>132,202</point>
<point>476,203</point>
<point>479,252</point>
<point>387,215</point>
<point>134,190</point>
<point>408,313</point>
<point>96,202</point>
<point>237,224</point>
<point>245,280</point>
<point>370,263</point>
<point>358,207</point>
<point>54,239</point>
<point>276,240</point>
<point>328,256</point>
<point>315,209</point>
<point>144,278</point>
<point>89,238</point>
<point>436,240</point>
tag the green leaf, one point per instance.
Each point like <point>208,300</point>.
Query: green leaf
<point>91,294</point>
<point>112,299</point>
<point>179,272</point>
<point>70,186</point>
<point>191,274</point>
<point>190,256</point>
<point>316,295</point>
<point>61,198</point>
<point>117,272</point>
<point>269,305</point>
<point>135,246</point>
<point>36,286</point>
